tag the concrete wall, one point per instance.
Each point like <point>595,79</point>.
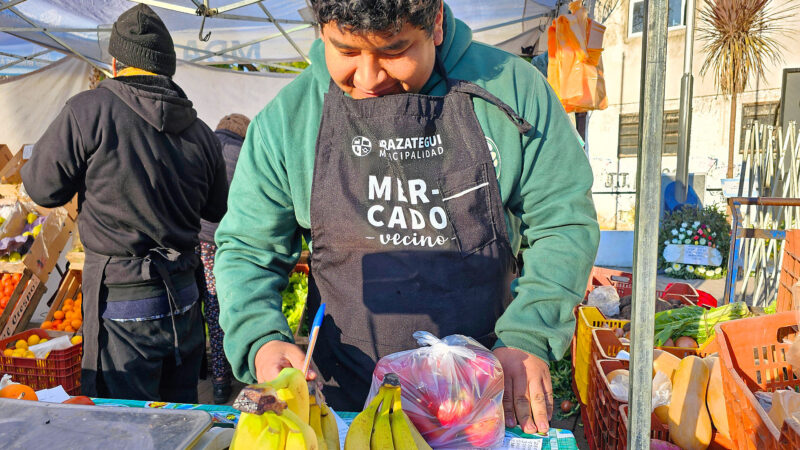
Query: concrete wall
<point>615,177</point>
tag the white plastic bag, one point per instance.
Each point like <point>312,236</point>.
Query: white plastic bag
<point>6,381</point>
<point>606,299</point>
<point>662,390</point>
<point>452,390</point>
<point>42,350</point>
<point>660,394</point>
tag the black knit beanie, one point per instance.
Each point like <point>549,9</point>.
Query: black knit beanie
<point>140,39</point>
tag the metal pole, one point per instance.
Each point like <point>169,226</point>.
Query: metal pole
<point>284,33</point>
<point>685,119</point>
<point>648,197</point>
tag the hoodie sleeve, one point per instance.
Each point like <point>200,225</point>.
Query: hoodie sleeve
<point>554,202</point>
<point>54,173</point>
<point>259,243</point>
<point>218,192</point>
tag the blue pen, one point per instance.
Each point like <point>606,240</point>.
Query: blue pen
<point>312,338</point>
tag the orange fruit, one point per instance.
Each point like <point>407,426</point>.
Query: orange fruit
<point>69,329</point>
<point>66,309</point>
<point>69,316</point>
<point>58,315</point>
<point>47,325</point>
<point>69,302</point>
<point>76,324</point>
<point>61,326</point>
<point>18,391</point>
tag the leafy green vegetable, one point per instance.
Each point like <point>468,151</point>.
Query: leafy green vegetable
<point>561,378</point>
<point>772,308</point>
<point>294,299</point>
<point>695,321</point>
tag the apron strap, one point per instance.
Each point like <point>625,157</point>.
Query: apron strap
<point>473,89</point>
<point>155,259</point>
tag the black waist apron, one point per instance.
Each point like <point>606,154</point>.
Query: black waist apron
<point>100,269</point>
<point>408,230</point>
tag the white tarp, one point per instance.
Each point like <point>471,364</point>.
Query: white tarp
<point>244,36</point>
<point>30,102</point>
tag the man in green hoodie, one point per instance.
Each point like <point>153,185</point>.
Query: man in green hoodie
<point>413,160</point>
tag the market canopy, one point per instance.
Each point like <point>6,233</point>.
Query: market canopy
<point>222,31</point>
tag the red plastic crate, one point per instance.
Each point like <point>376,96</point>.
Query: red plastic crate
<point>753,359</point>
<point>587,431</point>
<point>61,367</point>
<point>601,276</point>
<point>603,410</point>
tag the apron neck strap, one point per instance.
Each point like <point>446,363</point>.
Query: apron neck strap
<point>476,91</point>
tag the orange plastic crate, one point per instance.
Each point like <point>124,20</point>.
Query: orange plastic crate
<point>660,430</point>
<point>61,367</point>
<point>790,434</point>
<point>753,359</point>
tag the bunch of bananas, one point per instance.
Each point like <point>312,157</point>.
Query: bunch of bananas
<point>284,414</point>
<point>383,425</point>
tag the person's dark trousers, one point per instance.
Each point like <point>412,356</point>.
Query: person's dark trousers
<point>137,359</point>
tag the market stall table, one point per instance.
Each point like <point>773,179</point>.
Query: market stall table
<point>214,416</point>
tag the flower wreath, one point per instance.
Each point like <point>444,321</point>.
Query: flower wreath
<point>694,226</point>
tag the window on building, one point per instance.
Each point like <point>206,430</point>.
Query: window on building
<point>766,113</point>
<point>675,18</point>
<point>629,134</point>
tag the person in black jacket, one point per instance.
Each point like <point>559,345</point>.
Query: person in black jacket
<point>145,170</point>
<point>231,131</point>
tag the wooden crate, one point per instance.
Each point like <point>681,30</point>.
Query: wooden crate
<point>76,260</point>
<point>48,245</point>
<point>24,300</point>
<point>69,288</point>
<point>788,290</point>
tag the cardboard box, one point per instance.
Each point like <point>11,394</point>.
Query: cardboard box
<point>48,245</point>
<point>9,174</point>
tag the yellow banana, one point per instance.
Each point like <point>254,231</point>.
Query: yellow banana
<point>329,427</point>
<point>358,436</point>
<point>315,419</point>
<point>248,431</point>
<point>273,436</point>
<point>291,387</point>
<point>382,428</point>
<point>299,435</point>
<point>404,434</point>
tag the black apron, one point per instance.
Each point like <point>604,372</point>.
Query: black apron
<point>98,270</point>
<point>408,230</point>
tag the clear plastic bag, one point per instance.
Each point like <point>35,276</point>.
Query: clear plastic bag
<point>606,299</point>
<point>452,390</point>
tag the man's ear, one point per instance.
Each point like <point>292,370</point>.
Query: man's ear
<point>438,26</point>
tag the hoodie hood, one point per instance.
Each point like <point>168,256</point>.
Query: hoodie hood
<point>457,39</point>
<point>156,99</point>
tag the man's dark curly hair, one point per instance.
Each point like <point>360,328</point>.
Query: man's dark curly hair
<point>358,16</point>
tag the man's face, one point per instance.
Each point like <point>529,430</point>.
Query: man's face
<point>370,64</point>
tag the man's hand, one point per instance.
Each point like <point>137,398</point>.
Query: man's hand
<point>276,355</point>
<point>528,396</point>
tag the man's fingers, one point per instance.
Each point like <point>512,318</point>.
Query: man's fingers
<point>508,401</point>
<point>548,389</point>
<point>298,358</point>
<point>539,404</point>
<point>522,404</point>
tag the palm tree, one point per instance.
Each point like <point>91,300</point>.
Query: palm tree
<point>741,41</point>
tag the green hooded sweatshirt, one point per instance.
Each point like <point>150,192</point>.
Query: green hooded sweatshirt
<point>545,184</point>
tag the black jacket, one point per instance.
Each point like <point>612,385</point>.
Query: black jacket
<point>145,168</point>
<point>231,146</point>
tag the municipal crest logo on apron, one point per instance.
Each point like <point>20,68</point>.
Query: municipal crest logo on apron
<point>361,146</point>
<point>495,152</point>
